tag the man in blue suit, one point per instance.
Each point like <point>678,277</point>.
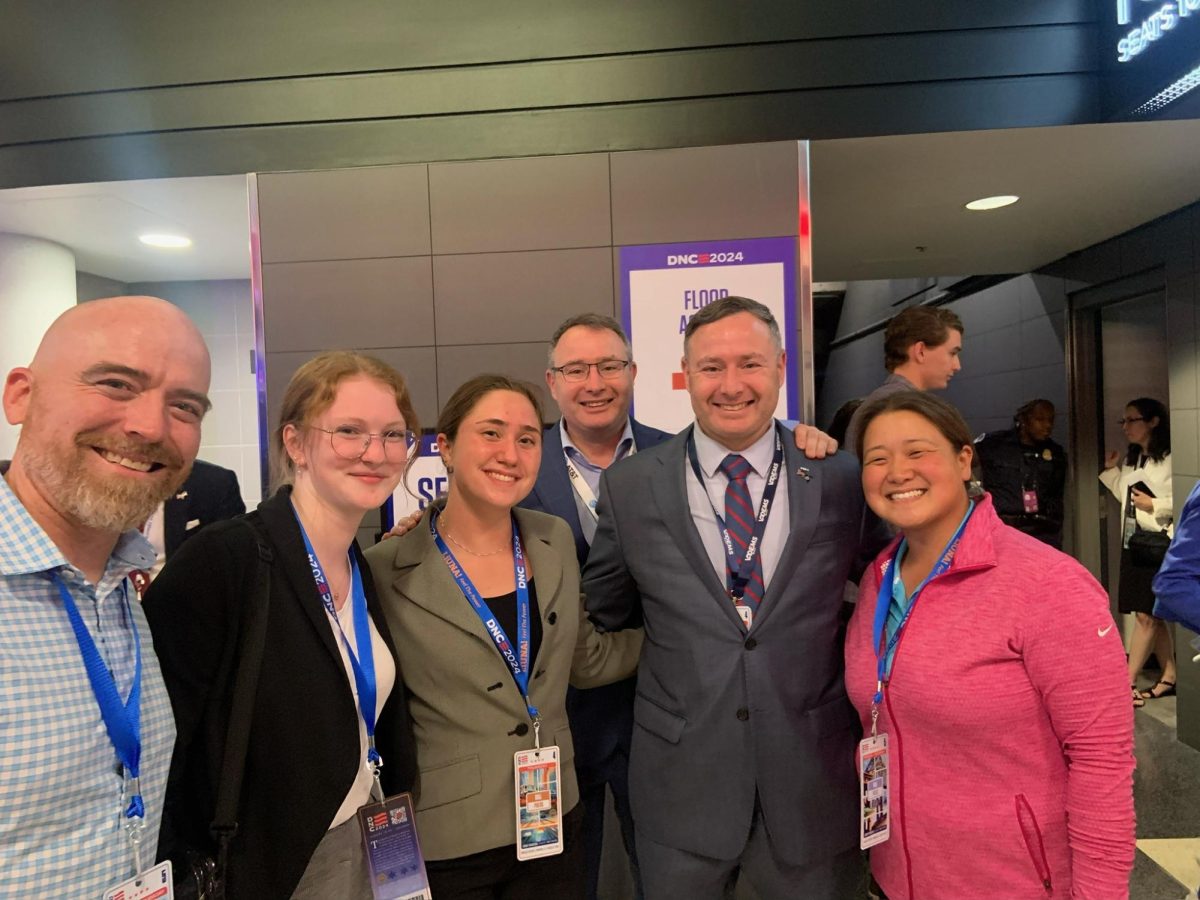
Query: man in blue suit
<point>590,375</point>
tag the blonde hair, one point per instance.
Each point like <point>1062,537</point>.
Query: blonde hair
<point>311,391</point>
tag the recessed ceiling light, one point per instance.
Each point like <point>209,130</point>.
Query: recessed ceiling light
<point>993,202</point>
<point>168,241</point>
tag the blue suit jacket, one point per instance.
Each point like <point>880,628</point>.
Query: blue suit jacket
<point>601,718</point>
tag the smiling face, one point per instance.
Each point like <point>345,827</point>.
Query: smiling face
<point>912,476</point>
<point>596,406</point>
<point>496,452</point>
<point>734,370</point>
<point>110,412</point>
<point>353,486</point>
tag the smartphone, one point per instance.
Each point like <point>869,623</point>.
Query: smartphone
<point>1142,486</point>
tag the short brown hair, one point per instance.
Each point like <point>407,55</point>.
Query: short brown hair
<point>929,325</point>
<point>942,415</point>
<point>728,306</point>
<point>596,321</point>
<point>312,390</point>
<point>463,400</point>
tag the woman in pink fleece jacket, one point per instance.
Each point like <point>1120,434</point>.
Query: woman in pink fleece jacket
<point>1003,699</point>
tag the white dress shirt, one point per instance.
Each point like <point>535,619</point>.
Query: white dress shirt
<point>759,455</point>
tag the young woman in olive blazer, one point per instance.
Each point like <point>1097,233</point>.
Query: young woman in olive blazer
<point>469,717</point>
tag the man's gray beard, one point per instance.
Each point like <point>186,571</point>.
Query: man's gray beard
<point>109,505</point>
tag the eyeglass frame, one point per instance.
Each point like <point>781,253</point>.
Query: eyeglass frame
<point>1130,420</point>
<point>625,364</point>
<point>411,439</point>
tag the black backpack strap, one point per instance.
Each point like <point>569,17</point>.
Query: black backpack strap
<point>251,642</point>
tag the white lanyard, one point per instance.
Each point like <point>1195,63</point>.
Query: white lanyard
<point>582,488</point>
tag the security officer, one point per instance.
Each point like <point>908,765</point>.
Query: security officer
<point>1026,472</point>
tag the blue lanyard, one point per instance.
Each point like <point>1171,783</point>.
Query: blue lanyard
<point>884,600</point>
<point>741,570</point>
<point>518,658</point>
<point>122,720</point>
<point>364,672</point>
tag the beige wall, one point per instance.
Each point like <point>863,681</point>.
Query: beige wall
<point>447,270</point>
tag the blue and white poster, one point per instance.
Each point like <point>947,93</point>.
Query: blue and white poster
<point>664,285</point>
<point>425,481</point>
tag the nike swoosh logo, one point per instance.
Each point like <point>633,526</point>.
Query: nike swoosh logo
<point>1103,631</point>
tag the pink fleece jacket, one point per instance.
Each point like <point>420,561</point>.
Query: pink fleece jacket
<point>1009,724</point>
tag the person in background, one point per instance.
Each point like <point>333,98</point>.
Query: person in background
<point>840,423</point>
<point>1025,471</point>
<point>110,411</point>
<point>590,375</point>
<point>1141,482</point>
<point>456,589</point>
<point>1177,584</point>
<point>922,346</point>
<point>1010,741</point>
<point>327,687</point>
<point>210,494</point>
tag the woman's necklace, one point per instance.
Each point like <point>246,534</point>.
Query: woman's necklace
<point>446,531</point>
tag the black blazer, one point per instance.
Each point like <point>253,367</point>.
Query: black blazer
<point>210,494</point>
<point>303,752</point>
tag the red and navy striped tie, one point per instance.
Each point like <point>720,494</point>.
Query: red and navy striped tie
<point>739,522</point>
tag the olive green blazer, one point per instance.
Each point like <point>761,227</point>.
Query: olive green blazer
<point>468,716</point>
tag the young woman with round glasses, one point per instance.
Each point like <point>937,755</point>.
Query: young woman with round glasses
<point>315,736</point>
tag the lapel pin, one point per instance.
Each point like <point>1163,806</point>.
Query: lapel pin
<point>803,473</point>
<point>182,495</point>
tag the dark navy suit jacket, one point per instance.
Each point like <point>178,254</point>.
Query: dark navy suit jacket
<point>210,494</point>
<point>601,718</point>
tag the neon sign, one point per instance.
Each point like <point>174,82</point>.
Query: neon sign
<point>1153,28</point>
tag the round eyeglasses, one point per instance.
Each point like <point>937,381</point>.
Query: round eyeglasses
<point>351,442</point>
<point>578,371</point>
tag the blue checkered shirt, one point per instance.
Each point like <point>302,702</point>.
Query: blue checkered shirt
<point>61,786</point>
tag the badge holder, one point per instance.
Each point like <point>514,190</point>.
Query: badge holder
<point>155,883</point>
<point>538,801</point>
<point>389,833</point>
<point>874,823</point>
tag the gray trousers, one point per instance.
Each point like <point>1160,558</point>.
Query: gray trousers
<point>669,873</point>
<point>338,868</point>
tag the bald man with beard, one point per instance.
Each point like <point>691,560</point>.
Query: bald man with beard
<point>110,411</point>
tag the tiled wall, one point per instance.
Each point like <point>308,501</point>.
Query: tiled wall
<point>451,269</point>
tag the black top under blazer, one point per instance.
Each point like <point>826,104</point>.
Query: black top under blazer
<point>303,752</point>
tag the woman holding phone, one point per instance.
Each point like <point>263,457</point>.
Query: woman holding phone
<point>1142,485</point>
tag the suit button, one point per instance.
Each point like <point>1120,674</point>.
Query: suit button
<point>522,729</point>
<point>743,714</point>
<point>552,618</point>
<point>751,643</point>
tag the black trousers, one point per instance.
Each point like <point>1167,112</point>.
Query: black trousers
<point>497,874</point>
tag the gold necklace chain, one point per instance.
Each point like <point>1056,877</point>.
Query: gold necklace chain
<point>446,531</point>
